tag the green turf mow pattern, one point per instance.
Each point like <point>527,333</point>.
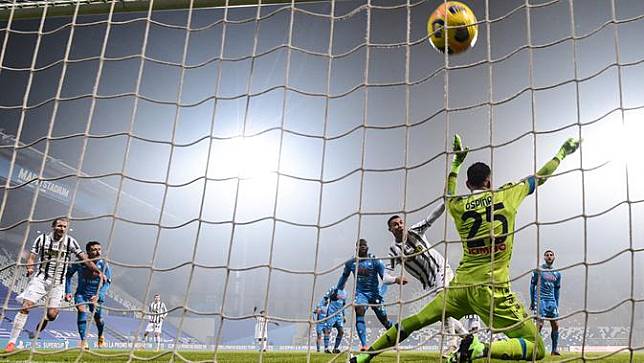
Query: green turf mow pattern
<point>273,357</point>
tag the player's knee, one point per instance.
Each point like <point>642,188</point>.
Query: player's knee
<point>554,325</point>
<point>52,315</point>
<point>360,310</point>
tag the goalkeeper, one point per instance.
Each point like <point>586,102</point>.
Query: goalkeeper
<point>485,221</point>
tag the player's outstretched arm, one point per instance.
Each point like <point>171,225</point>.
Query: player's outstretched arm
<point>533,290</point>
<point>422,226</point>
<point>344,277</point>
<point>459,158</point>
<point>570,146</point>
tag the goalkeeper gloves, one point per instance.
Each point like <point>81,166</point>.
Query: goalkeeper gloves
<point>570,146</point>
<point>460,153</point>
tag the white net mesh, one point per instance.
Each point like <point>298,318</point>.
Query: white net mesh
<point>229,158</point>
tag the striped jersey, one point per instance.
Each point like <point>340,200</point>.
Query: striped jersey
<point>261,327</point>
<point>420,260</point>
<point>157,312</point>
<point>54,255</point>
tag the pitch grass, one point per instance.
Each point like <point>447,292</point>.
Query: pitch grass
<point>272,357</point>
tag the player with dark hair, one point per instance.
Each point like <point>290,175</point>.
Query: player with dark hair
<point>485,221</point>
<point>369,271</point>
<point>549,281</point>
<point>412,250</point>
<point>90,292</point>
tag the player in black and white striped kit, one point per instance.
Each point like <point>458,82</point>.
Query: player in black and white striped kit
<point>54,251</point>
<point>412,250</point>
<point>156,314</point>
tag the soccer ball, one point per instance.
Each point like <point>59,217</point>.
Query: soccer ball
<point>462,29</point>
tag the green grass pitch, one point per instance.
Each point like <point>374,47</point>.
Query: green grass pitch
<point>272,357</point>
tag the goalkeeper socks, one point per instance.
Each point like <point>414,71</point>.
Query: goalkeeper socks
<point>361,327</point>
<point>82,324</point>
<point>517,349</point>
<point>18,323</point>
<point>554,335</point>
<point>326,341</point>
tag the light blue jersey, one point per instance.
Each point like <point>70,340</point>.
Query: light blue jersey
<point>320,313</point>
<point>549,284</point>
<point>88,283</point>
<point>370,272</point>
<point>337,301</point>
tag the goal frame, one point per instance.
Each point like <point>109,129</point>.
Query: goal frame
<point>62,8</point>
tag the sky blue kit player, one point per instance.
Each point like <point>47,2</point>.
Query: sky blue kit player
<point>318,315</point>
<point>369,272</point>
<point>337,300</point>
<point>549,282</point>
<point>90,292</point>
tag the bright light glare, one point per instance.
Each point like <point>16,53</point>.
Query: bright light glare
<point>246,157</point>
<point>617,142</point>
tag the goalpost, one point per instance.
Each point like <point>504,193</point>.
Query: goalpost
<point>229,154</point>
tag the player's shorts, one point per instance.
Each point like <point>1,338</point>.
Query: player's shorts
<point>38,289</point>
<point>154,328</point>
<point>335,322</point>
<point>80,299</point>
<point>548,309</point>
<point>364,298</point>
<point>319,328</point>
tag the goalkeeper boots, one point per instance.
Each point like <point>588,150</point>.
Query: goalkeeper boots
<point>470,348</point>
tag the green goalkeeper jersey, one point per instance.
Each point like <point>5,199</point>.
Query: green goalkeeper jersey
<point>475,216</point>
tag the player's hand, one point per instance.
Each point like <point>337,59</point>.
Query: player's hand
<point>68,297</point>
<point>570,146</point>
<point>401,280</point>
<point>93,299</point>
<point>459,150</point>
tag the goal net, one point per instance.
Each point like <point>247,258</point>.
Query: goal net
<point>229,156</point>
